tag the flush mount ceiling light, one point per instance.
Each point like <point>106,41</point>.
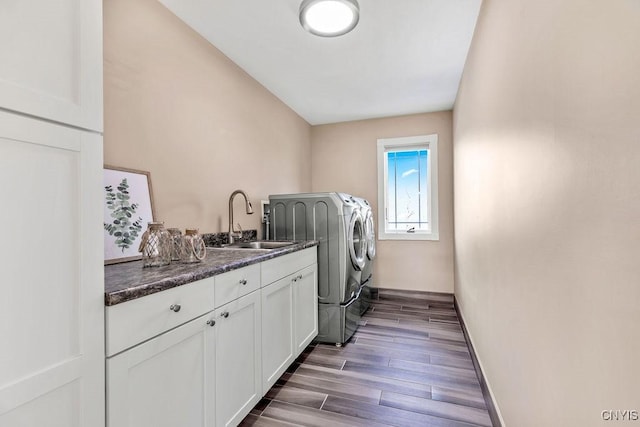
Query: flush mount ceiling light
<point>329,18</point>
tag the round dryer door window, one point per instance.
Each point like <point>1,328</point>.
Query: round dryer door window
<point>370,233</point>
<point>357,241</point>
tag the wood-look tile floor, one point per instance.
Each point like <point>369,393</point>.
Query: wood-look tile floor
<point>407,365</point>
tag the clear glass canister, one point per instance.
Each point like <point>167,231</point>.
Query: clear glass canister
<point>176,244</point>
<point>155,246</point>
<point>194,249</point>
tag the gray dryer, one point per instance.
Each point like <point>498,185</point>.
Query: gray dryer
<point>335,220</point>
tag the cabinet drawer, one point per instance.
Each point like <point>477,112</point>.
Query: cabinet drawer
<point>234,284</point>
<point>280,267</point>
<point>135,321</point>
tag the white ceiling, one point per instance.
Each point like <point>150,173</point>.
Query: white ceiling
<point>404,57</point>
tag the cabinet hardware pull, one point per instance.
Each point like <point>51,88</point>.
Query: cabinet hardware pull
<point>175,307</point>
<point>211,322</point>
<point>299,276</point>
<point>243,281</point>
<point>225,314</point>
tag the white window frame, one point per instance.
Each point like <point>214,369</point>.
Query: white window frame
<point>429,142</point>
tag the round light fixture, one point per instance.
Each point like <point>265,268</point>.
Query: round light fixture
<point>329,18</point>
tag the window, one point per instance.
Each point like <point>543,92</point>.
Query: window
<point>408,188</point>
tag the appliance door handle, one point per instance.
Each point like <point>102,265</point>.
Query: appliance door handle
<point>354,299</point>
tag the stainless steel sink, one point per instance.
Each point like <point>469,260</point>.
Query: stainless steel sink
<point>259,244</point>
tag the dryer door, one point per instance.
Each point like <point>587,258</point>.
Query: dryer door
<point>356,241</point>
<point>370,233</point>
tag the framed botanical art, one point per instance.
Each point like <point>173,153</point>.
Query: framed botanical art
<point>128,207</point>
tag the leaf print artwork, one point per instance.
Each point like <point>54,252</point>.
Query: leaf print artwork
<point>123,227</point>
<point>128,206</point>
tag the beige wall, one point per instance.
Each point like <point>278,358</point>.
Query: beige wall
<point>547,207</point>
<point>344,159</point>
<point>177,107</point>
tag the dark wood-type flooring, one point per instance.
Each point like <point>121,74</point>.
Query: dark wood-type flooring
<point>407,365</point>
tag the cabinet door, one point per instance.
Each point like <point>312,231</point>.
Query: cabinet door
<point>165,382</point>
<point>305,307</point>
<point>52,305</point>
<point>277,330</point>
<point>238,359</point>
<point>51,63</point>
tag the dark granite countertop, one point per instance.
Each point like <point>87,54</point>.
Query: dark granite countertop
<point>128,281</point>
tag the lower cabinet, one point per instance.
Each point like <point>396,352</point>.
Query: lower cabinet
<point>165,370</point>
<point>277,330</point>
<point>167,381</point>
<point>238,359</point>
<point>289,321</point>
<point>205,373</point>
<point>305,308</point>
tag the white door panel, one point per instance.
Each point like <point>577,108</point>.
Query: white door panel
<point>51,313</point>
<point>51,63</point>
<point>238,359</point>
<point>305,308</point>
<point>277,330</point>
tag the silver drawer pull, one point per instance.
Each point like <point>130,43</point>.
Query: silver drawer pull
<point>243,281</point>
<point>225,314</point>
<point>299,277</point>
<point>211,322</point>
<point>175,307</point>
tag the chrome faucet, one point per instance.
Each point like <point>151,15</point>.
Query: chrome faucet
<point>233,234</point>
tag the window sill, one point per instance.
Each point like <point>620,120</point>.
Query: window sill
<point>409,236</point>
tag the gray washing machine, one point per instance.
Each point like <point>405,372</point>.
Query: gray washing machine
<point>366,280</point>
<point>335,220</point>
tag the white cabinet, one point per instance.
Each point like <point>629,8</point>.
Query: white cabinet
<point>165,369</point>
<point>168,381</point>
<point>161,358</point>
<point>277,330</point>
<point>305,307</point>
<point>51,63</point>
<point>238,359</point>
<point>289,311</point>
<point>51,310</point>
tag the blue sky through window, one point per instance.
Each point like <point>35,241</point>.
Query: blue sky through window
<point>407,190</point>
